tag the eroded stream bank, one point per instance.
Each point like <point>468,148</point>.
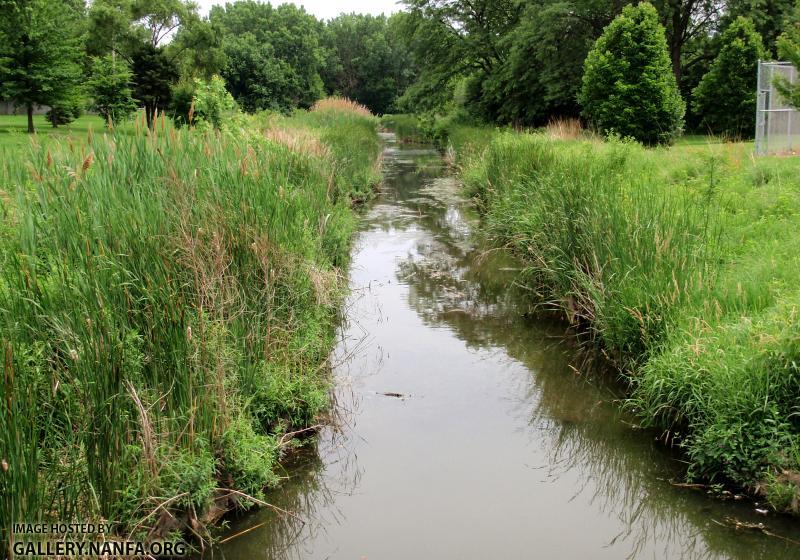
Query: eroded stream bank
<point>496,449</point>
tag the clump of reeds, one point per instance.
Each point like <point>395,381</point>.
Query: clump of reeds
<point>341,104</point>
<point>564,128</point>
<point>168,299</point>
<point>682,264</point>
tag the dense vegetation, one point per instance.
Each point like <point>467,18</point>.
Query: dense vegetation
<point>522,63</point>
<point>167,304</point>
<point>114,55</point>
<point>679,263</point>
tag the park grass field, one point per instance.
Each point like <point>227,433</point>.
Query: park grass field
<point>14,129</point>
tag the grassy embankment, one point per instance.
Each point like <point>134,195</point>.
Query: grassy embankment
<point>167,306</point>
<point>683,264</point>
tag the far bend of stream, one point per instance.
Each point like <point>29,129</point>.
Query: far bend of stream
<point>497,448</point>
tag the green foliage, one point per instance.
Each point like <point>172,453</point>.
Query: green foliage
<point>67,109</point>
<point>139,31</point>
<point>367,62</point>
<point>110,88</point>
<point>789,49</point>
<point>681,264</point>
<point>189,477</point>
<point>149,288</point>
<point>40,50</point>
<point>273,55</point>
<point>250,457</point>
<point>726,96</point>
<point>628,87</point>
<point>212,102</point>
<point>153,76</point>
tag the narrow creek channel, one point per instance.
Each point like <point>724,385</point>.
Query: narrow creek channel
<point>466,432</point>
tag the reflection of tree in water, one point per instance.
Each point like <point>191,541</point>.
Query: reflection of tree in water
<point>623,469</point>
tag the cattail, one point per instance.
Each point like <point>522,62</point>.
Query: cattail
<point>189,333</point>
<point>49,160</point>
<point>191,112</point>
<point>87,161</point>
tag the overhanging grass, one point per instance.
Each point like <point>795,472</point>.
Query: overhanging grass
<point>682,262</point>
<point>167,303</point>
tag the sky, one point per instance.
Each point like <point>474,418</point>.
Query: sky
<point>325,9</point>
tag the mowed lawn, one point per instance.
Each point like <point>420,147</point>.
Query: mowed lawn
<point>14,129</point>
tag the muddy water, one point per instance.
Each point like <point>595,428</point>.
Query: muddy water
<point>495,447</point>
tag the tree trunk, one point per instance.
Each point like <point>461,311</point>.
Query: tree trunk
<point>30,119</point>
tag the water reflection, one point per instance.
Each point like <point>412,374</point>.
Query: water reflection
<point>500,448</point>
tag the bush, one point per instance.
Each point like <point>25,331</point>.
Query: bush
<point>212,102</point>
<point>628,85</point>
<point>725,99</point>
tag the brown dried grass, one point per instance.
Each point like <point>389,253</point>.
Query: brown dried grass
<point>341,104</point>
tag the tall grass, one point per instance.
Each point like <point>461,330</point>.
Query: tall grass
<point>167,302</point>
<point>681,263</point>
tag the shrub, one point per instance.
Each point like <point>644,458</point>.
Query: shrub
<point>725,99</point>
<point>212,102</point>
<point>628,85</point>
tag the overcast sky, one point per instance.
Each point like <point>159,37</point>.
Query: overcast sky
<point>326,9</point>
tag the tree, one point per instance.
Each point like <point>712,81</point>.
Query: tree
<point>212,102</point>
<point>768,17</point>
<point>273,55</point>
<point>40,50</point>
<point>110,88</point>
<point>541,75</point>
<point>686,21</point>
<point>139,31</point>
<point>366,63</point>
<point>628,86</point>
<point>451,39</point>
<point>725,99</point>
<point>789,49</point>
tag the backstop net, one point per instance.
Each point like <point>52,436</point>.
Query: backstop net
<point>777,122</point>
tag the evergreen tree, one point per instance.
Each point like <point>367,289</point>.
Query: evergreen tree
<point>628,84</point>
<point>725,99</point>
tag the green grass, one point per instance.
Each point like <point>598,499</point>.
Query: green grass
<point>14,129</point>
<point>167,304</point>
<point>682,265</point>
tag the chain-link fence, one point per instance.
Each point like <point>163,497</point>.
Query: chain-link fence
<point>777,122</point>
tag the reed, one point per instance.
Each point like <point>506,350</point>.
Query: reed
<point>680,263</point>
<point>167,299</point>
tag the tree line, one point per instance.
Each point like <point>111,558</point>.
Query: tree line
<point>692,65</point>
<point>114,56</point>
<point>644,71</point>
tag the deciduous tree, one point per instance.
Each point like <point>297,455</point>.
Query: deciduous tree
<point>725,99</point>
<point>628,87</point>
<point>40,52</point>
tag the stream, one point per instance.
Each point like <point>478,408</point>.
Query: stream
<point>468,429</point>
